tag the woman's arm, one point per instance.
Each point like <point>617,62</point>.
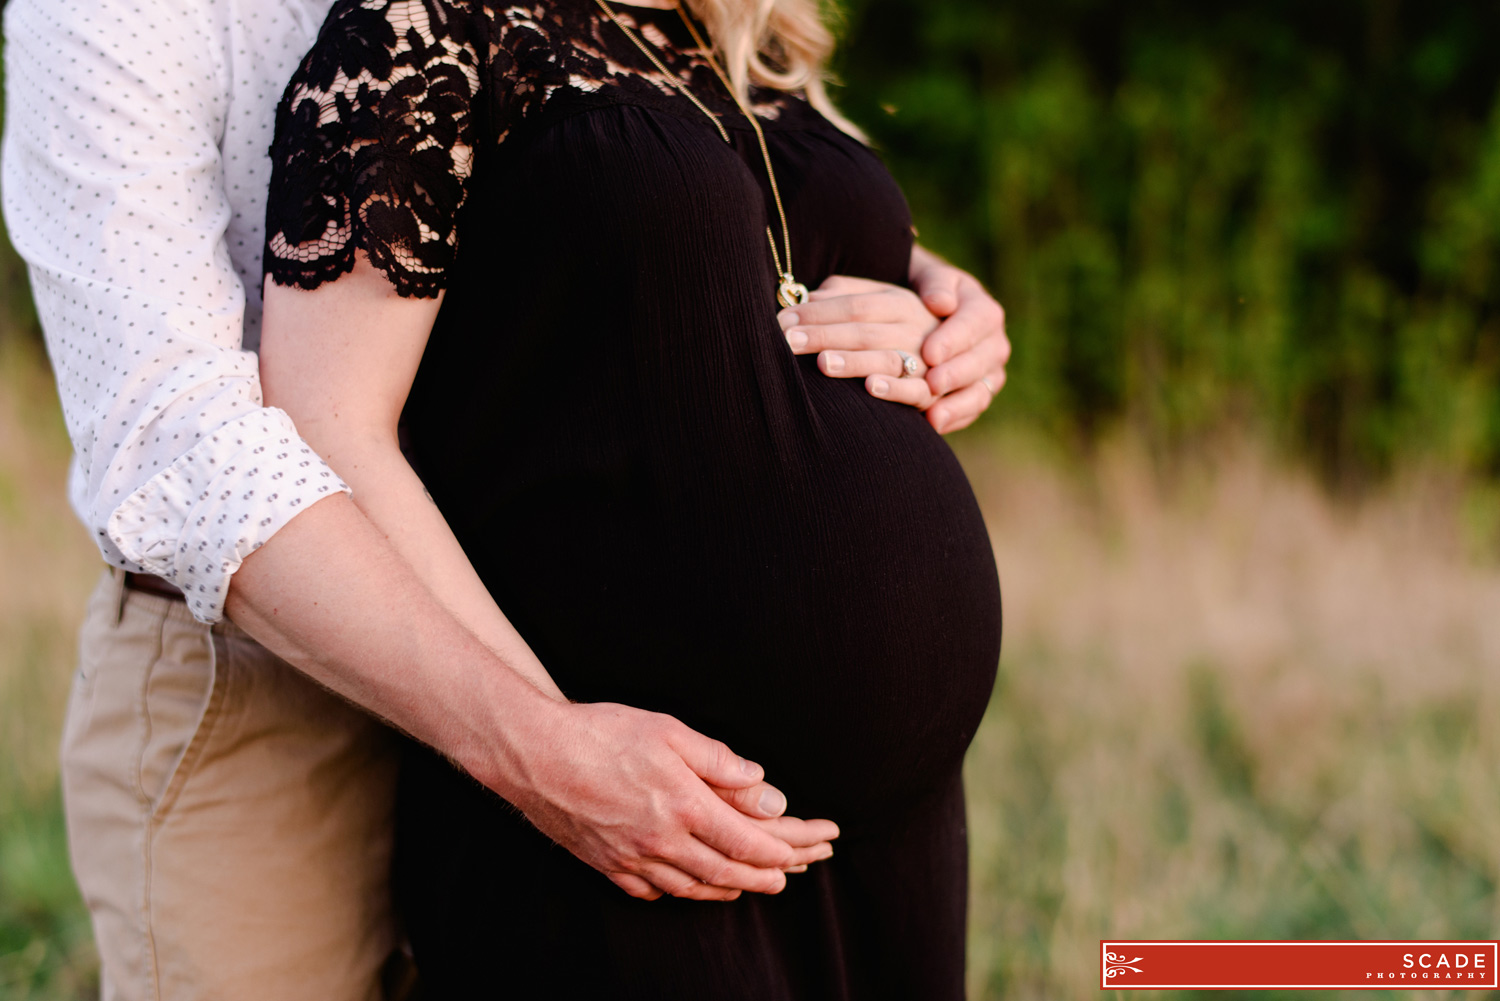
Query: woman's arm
<point>379,602</point>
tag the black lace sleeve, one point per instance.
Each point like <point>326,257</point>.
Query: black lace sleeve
<point>375,143</point>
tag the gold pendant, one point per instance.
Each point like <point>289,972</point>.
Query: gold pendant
<point>791,293</point>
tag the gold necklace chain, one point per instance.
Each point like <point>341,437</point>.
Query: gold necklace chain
<point>789,291</point>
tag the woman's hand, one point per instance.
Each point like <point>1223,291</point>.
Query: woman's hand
<point>950,325</point>
<point>861,328</point>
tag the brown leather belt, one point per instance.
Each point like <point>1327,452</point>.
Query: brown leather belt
<point>152,584</point>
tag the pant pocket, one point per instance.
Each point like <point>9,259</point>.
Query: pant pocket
<point>184,693</point>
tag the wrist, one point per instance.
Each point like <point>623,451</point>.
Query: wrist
<point>515,723</point>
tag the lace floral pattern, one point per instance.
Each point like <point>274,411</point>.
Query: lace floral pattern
<point>377,134</point>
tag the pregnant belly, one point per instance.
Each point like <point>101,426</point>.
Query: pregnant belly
<point>825,613</point>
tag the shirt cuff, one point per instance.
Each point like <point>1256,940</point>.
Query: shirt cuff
<point>196,521</point>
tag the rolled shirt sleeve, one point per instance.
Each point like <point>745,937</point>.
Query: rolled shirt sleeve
<point>126,191</point>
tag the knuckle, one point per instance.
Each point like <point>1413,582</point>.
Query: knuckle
<point>638,888</point>
<point>683,886</point>
<point>688,813</point>
<point>719,751</point>
<point>650,845</point>
<point>739,844</point>
<point>633,865</point>
<point>721,874</point>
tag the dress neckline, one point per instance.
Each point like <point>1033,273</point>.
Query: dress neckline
<point>663,19</point>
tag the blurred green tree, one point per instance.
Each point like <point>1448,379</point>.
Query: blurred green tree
<point>1276,214</point>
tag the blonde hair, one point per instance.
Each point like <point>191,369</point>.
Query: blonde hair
<point>784,44</point>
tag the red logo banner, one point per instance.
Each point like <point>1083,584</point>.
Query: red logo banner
<point>1393,966</point>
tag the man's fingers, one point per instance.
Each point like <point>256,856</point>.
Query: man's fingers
<point>963,370</point>
<point>800,833</point>
<point>852,364</point>
<point>712,760</point>
<point>912,392</point>
<point>958,410</point>
<point>673,881</point>
<point>812,853</point>
<point>731,833</point>
<point>636,886</point>
<point>936,281</point>
<point>762,800</point>
<point>977,318</point>
<point>703,863</point>
<point>940,301</point>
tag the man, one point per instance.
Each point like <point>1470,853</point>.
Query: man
<point>229,817</point>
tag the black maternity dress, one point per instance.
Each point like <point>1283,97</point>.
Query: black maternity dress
<point>675,511</point>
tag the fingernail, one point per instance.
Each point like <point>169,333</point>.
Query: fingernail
<point>797,339</point>
<point>880,387</point>
<point>787,318</point>
<point>826,854</point>
<point>796,868</point>
<point>748,767</point>
<point>772,802</point>
<point>833,363</point>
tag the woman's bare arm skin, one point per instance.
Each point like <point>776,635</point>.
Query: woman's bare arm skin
<point>374,598</point>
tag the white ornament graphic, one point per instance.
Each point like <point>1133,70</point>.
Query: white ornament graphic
<point>1115,964</point>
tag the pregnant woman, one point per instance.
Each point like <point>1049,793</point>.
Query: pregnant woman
<point>683,514</point>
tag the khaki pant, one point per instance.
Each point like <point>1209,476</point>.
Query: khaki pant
<point>229,821</point>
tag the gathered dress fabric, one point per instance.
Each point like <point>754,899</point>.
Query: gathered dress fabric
<point>675,511</point>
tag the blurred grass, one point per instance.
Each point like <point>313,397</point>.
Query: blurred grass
<point>1229,707</point>
<point>46,953</point>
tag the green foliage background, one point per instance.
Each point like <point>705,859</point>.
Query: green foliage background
<point>1277,214</point>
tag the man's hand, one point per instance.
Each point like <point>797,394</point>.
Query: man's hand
<point>950,325</point>
<point>624,790</point>
<point>968,350</point>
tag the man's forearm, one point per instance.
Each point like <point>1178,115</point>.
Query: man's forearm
<point>329,594</point>
<point>626,791</point>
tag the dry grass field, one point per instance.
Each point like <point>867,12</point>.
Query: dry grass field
<point>50,564</point>
<point>1228,707</point>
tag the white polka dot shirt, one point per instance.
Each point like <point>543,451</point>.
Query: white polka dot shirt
<point>134,179</point>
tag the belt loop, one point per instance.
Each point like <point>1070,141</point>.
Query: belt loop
<point>118,576</point>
